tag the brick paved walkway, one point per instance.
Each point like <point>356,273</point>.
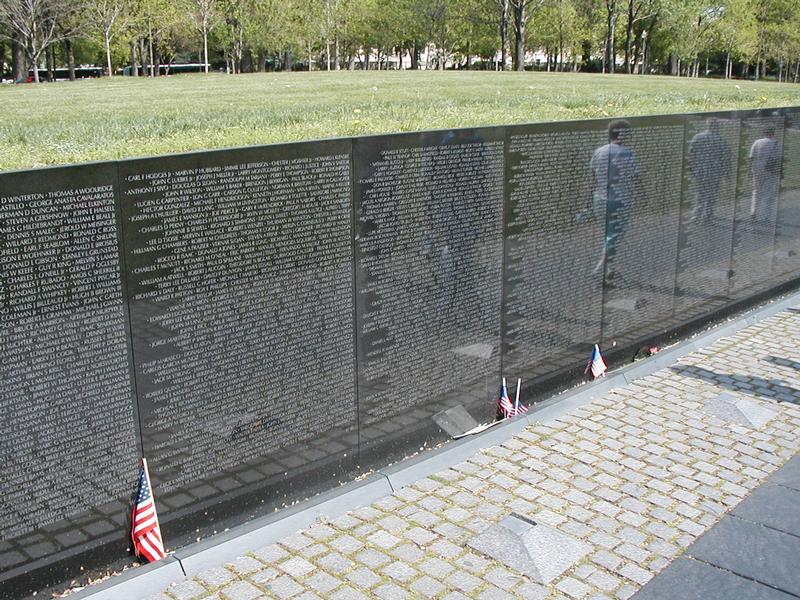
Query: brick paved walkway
<point>637,474</point>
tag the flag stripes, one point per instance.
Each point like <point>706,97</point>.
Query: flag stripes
<point>145,531</point>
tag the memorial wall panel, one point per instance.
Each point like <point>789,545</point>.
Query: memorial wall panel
<point>760,157</point>
<point>69,443</point>
<point>429,213</point>
<point>787,240</point>
<point>554,231</point>
<point>240,269</point>
<point>710,167</point>
<point>276,318</point>
<point>642,187</point>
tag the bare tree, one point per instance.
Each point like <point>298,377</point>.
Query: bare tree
<point>34,23</point>
<point>204,16</point>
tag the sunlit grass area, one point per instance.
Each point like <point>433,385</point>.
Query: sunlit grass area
<point>73,122</point>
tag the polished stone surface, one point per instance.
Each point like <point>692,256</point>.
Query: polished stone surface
<point>773,505</point>
<point>752,551</point>
<point>789,475</point>
<point>688,579</point>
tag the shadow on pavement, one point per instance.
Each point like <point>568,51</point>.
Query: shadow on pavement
<point>746,384</point>
<point>784,362</point>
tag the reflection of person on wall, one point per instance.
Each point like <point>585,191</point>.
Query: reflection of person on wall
<point>764,169</point>
<point>710,164</point>
<point>454,228</point>
<point>615,176</point>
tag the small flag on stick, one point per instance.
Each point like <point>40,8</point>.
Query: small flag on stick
<point>596,365</point>
<point>505,405</point>
<point>519,409</point>
<point>145,531</point>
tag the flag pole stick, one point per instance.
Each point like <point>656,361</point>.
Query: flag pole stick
<point>516,400</point>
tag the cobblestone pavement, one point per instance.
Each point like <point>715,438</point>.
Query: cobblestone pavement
<point>637,474</point>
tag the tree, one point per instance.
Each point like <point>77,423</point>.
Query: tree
<point>638,12</point>
<point>610,55</point>
<point>107,17</point>
<point>203,14</point>
<point>523,9</point>
<point>505,46</point>
<point>475,32</point>
<point>266,31</point>
<point>736,32</point>
<point>34,24</point>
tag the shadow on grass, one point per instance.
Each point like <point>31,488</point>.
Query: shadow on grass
<point>746,384</point>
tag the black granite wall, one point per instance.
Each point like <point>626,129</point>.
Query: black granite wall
<point>263,323</point>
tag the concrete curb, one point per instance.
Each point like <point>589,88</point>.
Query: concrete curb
<point>151,579</point>
<point>137,583</point>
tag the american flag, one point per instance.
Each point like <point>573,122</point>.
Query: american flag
<point>519,409</point>
<point>145,532</point>
<point>505,405</point>
<point>596,365</point>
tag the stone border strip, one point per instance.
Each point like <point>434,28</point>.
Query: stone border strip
<point>186,562</point>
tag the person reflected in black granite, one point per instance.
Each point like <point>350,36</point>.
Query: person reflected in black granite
<point>764,171</point>
<point>454,232</point>
<point>710,164</point>
<point>615,185</point>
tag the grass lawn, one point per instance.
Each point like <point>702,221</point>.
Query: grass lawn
<point>107,119</point>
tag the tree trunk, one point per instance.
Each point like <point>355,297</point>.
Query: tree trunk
<point>611,20</point>
<point>134,63</point>
<point>144,57</point>
<point>153,67</point>
<point>629,38</point>
<point>327,53</point>
<point>519,33</point>
<point>796,70</point>
<point>337,66</point>
<point>728,64</point>
<point>205,50</point>
<point>107,40</point>
<point>505,46</point>
<point>50,57</point>
<point>758,64</point>
<point>19,68</point>
<point>157,62</point>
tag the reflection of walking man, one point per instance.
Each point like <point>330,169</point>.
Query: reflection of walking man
<point>765,174</point>
<point>615,175</point>
<point>710,163</point>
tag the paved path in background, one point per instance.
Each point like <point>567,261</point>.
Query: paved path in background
<point>633,478</point>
